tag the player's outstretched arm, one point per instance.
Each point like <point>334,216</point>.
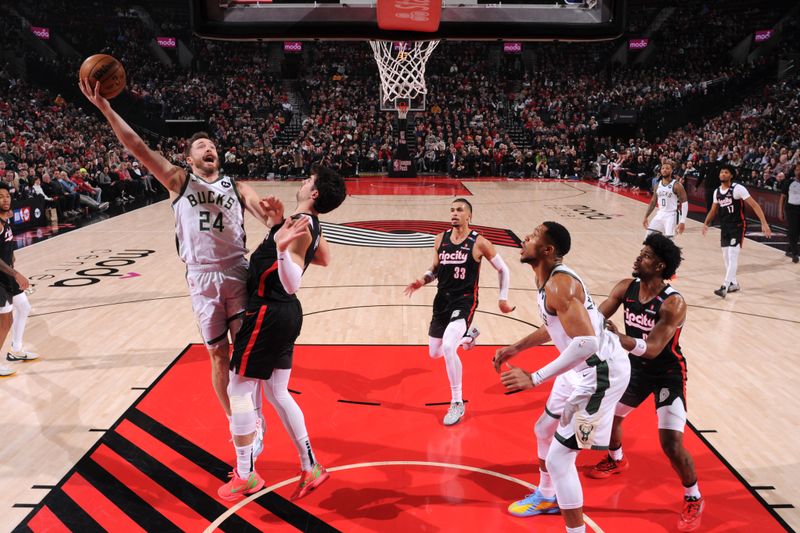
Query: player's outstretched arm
<point>292,241</point>
<point>430,275</point>
<point>487,250</point>
<point>614,300</point>
<point>760,214</point>
<point>169,175</point>
<point>683,199</point>
<point>565,296</point>
<point>254,205</point>
<point>537,338</point>
<point>672,316</point>
<point>709,217</point>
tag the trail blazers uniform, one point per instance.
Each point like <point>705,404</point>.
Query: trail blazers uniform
<point>665,375</point>
<point>273,317</point>
<point>457,290</point>
<point>731,214</point>
<point>209,235</point>
<point>8,285</point>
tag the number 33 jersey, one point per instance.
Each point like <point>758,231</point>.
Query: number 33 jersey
<point>209,222</point>
<point>458,271</point>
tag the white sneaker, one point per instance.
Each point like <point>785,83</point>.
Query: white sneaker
<point>6,371</point>
<point>23,355</point>
<point>468,340</point>
<point>733,287</point>
<point>258,443</point>
<point>454,414</point>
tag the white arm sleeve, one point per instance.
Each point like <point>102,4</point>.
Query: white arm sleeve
<point>580,349</point>
<point>289,272</point>
<point>684,211</point>
<point>504,273</point>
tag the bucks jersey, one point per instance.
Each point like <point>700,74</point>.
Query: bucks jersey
<point>667,199</point>
<point>609,343</point>
<point>209,222</point>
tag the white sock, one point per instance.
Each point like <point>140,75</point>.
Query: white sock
<point>616,454</point>
<point>244,460</point>
<point>732,264</point>
<point>276,389</point>
<point>307,459</point>
<point>546,486</point>
<point>579,529</point>
<point>20,312</point>
<point>450,342</point>
<point>692,491</point>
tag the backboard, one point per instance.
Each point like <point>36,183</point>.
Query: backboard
<point>521,20</point>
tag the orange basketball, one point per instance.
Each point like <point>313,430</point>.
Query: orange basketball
<point>104,69</point>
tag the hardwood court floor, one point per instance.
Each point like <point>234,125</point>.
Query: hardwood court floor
<point>121,329</point>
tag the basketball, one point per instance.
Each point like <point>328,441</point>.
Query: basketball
<point>107,70</point>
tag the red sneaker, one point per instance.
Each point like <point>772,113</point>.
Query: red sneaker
<point>691,514</point>
<point>607,468</point>
<point>237,488</point>
<point>310,480</point>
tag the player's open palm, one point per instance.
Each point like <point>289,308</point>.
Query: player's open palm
<point>293,229</point>
<point>412,287</point>
<point>93,94</point>
<point>272,208</point>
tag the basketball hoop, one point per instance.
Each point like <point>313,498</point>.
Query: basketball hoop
<point>401,66</point>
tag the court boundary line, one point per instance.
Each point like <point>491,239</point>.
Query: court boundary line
<point>241,503</point>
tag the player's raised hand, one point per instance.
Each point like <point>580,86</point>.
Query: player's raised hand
<point>293,229</point>
<point>93,94</point>
<point>505,307</point>
<point>413,286</point>
<point>272,208</point>
<point>515,379</point>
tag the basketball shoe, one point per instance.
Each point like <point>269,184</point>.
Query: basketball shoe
<point>237,487</point>
<point>533,504</point>
<point>734,287</point>
<point>722,291</point>
<point>22,355</point>
<point>310,480</point>
<point>6,371</point>
<point>454,413</point>
<point>468,340</point>
<point>607,468</point>
<point>691,514</point>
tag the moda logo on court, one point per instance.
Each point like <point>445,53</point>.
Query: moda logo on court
<point>577,211</point>
<point>405,233</point>
<point>92,267</point>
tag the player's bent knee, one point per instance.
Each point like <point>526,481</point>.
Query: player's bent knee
<point>243,414</point>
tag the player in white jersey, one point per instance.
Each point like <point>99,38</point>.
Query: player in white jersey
<point>669,197</point>
<point>209,223</point>
<point>591,374</point>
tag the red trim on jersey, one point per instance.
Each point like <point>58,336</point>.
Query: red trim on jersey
<point>263,278</point>
<point>474,297</point>
<point>252,341</point>
<point>681,361</point>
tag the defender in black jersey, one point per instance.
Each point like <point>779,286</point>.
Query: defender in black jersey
<point>457,263</point>
<point>12,283</point>
<point>262,351</point>
<point>654,315</point>
<point>729,200</point>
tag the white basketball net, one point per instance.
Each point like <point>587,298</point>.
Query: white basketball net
<point>401,66</point>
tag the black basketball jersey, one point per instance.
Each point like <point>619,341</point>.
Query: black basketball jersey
<point>263,281</point>
<point>731,210</point>
<point>640,318</point>
<point>7,247</point>
<point>458,271</point>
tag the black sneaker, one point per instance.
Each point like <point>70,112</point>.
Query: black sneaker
<point>795,259</point>
<point>721,292</point>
